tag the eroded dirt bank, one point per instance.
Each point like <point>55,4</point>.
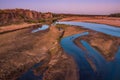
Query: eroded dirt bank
<point>13,16</point>
<point>21,49</point>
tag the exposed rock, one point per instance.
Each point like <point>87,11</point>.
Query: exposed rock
<point>9,16</point>
<point>47,15</point>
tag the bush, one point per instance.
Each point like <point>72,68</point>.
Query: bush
<point>115,15</point>
<point>47,20</point>
<point>31,21</point>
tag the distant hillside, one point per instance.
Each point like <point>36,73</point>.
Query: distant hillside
<point>80,15</point>
<point>9,16</point>
<point>115,15</point>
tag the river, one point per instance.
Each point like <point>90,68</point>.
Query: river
<point>107,29</point>
<point>105,70</point>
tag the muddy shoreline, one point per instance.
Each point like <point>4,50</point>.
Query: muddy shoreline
<point>110,43</point>
<point>21,49</point>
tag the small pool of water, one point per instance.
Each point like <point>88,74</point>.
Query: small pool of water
<point>44,27</point>
<point>30,75</point>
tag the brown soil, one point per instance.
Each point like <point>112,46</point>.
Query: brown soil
<point>21,49</point>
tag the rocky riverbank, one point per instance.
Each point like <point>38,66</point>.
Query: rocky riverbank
<point>21,49</point>
<point>16,16</point>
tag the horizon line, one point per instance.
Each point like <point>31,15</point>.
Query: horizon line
<point>57,12</point>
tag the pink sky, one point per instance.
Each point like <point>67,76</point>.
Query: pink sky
<point>65,6</point>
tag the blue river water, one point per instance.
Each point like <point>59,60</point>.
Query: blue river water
<point>30,75</point>
<point>44,27</point>
<point>105,70</point>
<point>107,29</point>
<point>85,70</point>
